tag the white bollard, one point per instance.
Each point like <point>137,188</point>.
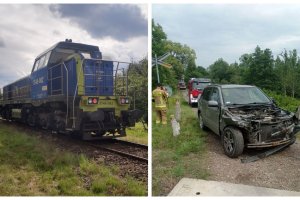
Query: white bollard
<point>175,126</point>
<point>177,111</point>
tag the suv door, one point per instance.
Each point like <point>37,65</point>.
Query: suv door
<point>213,113</point>
<point>203,104</point>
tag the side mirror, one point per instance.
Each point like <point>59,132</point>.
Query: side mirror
<point>213,104</point>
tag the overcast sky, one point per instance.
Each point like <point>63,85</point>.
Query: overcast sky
<point>228,31</point>
<point>120,31</point>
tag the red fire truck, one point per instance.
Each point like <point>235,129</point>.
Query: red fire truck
<point>195,88</point>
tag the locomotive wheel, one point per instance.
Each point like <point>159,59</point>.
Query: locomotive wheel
<point>43,124</point>
<point>31,120</point>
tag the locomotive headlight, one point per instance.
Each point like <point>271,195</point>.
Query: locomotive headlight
<point>124,100</point>
<point>93,100</point>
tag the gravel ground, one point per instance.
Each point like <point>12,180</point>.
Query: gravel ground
<point>279,171</point>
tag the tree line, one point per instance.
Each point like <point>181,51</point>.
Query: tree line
<point>278,73</point>
<point>138,85</point>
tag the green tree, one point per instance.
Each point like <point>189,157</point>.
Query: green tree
<point>138,84</point>
<point>159,38</point>
<point>287,68</point>
<point>182,59</point>
<point>260,70</point>
<point>220,72</point>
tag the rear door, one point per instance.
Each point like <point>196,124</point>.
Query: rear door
<point>203,105</point>
<point>213,113</point>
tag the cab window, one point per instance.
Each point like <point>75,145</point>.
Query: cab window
<point>42,61</point>
<point>206,92</point>
<point>36,65</point>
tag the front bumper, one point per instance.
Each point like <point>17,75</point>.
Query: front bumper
<point>269,144</point>
<point>289,133</point>
<point>194,100</point>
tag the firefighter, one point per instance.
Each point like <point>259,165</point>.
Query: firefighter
<point>160,97</point>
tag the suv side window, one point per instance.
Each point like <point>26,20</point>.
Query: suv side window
<point>206,94</point>
<point>214,95</point>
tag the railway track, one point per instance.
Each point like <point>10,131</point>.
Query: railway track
<point>124,148</point>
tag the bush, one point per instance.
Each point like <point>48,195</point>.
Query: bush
<point>285,102</point>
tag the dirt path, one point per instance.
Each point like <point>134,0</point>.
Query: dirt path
<point>280,171</point>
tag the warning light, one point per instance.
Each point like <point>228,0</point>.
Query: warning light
<point>95,101</point>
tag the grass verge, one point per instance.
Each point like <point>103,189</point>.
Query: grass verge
<point>30,166</point>
<point>177,157</point>
<point>137,134</point>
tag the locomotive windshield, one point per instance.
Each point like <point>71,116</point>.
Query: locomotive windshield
<point>58,55</point>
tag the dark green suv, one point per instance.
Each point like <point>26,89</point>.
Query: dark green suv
<point>244,117</point>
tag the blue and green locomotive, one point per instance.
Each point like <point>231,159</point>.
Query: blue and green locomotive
<point>72,89</point>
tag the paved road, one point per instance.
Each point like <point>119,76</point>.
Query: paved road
<point>279,171</point>
<point>198,187</point>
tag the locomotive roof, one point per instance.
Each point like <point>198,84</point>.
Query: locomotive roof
<point>71,45</point>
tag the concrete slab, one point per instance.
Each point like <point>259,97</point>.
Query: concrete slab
<point>198,187</point>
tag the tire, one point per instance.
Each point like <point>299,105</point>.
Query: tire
<point>232,142</point>
<point>201,123</point>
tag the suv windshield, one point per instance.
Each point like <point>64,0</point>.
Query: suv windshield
<point>244,95</point>
<point>200,85</point>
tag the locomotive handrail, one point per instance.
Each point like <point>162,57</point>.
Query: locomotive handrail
<point>114,76</point>
<point>62,83</point>
<point>67,92</point>
<point>115,88</point>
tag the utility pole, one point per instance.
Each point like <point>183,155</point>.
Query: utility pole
<point>159,61</point>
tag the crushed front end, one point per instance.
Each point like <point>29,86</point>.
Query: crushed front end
<point>262,126</point>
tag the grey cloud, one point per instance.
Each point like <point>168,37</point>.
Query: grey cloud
<point>120,21</point>
<point>56,32</point>
<point>2,44</point>
<point>229,31</point>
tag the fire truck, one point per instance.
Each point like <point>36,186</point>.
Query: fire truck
<point>195,89</point>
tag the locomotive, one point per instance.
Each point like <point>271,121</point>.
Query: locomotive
<point>71,89</point>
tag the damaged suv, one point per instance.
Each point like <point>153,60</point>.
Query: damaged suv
<point>244,117</point>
